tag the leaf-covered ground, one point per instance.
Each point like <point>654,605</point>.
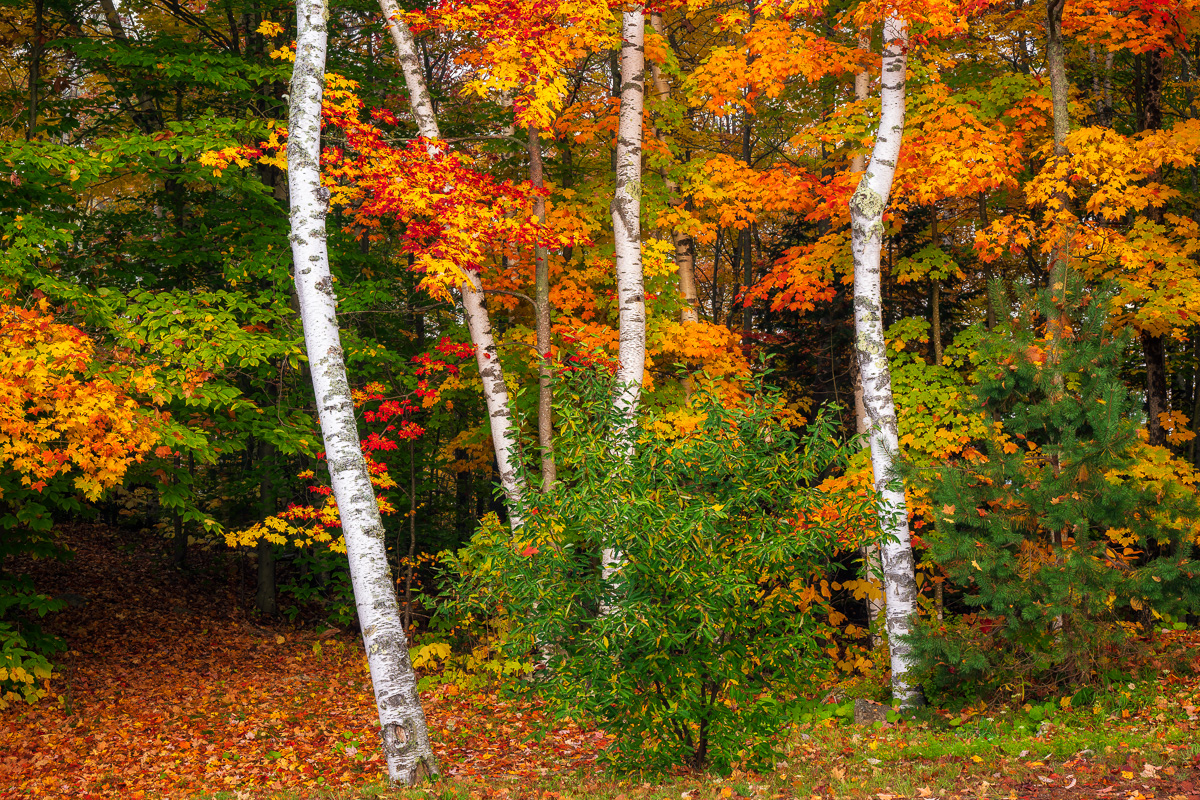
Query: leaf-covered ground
<point>169,691</point>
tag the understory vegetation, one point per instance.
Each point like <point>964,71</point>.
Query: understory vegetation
<point>594,399</point>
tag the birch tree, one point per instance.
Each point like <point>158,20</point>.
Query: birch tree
<point>866,219</point>
<point>627,237</point>
<point>870,551</point>
<point>401,718</point>
<point>479,323</point>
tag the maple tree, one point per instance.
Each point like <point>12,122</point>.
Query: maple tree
<point>472,152</point>
<point>69,428</point>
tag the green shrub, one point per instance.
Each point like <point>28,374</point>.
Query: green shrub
<point>713,626</point>
<point>25,648</point>
<point>319,577</point>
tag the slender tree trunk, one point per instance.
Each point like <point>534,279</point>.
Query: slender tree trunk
<point>870,552</point>
<point>862,85</point>
<point>495,395</point>
<point>479,323</point>
<point>1156,386</point>
<point>935,302</point>
<point>627,235</point>
<point>685,262</point>
<point>1195,452</point>
<point>541,300</point>
<point>1060,251</point>
<point>1108,99</point>
<point>463,481</point>
<point>866,214</point>
<point>145,111</point>
<point>935,305</point>
<point>402,720</point>
<point>744,237</point>
<point>35,66</point>
<point>412,533</point>
<point>264,598</point>
<point>935,312</point>
<point>716,270</point>
<point>1153,348</point>
<point>990,319</point>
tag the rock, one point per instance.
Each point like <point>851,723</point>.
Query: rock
<point>867,713</point>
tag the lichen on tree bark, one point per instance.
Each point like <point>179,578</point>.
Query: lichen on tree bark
<point>867,206</point>
<point>409,758</point>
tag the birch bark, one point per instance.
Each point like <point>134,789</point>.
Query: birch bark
<point>401,718</point>
<point>866,221</point>
<point>627,236</point>
<point>870,552</point>
<point>479,323</point>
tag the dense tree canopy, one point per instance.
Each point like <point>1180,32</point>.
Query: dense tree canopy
<point>694,199</point>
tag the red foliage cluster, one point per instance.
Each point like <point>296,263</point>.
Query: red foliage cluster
<point>427,365</point>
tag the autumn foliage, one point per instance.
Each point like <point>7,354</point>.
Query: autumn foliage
<point>62,419</point>
<point>1040,294</point>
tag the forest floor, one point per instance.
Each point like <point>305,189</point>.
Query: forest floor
<point>167,690</point>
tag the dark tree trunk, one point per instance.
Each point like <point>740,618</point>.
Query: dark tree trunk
<point>1156,386</point>
<point>35,66</point>
<point>264,598</point>
<point>179,541</point>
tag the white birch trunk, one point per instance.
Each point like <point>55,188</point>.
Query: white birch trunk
<point>870,552</point>
<point>866,220</point>
<point>495,395</point>
<point>479,323</point>
<point>401,718</point>
<point>627,238</point>
<point>414,75</point>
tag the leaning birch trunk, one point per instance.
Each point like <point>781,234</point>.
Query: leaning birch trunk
<point>495,394</point>
<point>627,238</point>
<point>401,718</point>
<point>870,551</point>
<point>479,323</point>
<point>866,222</point>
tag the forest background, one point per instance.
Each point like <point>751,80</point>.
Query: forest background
<point>1039,289</point>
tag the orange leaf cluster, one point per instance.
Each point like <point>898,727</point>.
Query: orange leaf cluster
<point>522,49</point>
<point>60,415</point>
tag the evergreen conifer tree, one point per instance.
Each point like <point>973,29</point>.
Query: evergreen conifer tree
<point>1068,524</point>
